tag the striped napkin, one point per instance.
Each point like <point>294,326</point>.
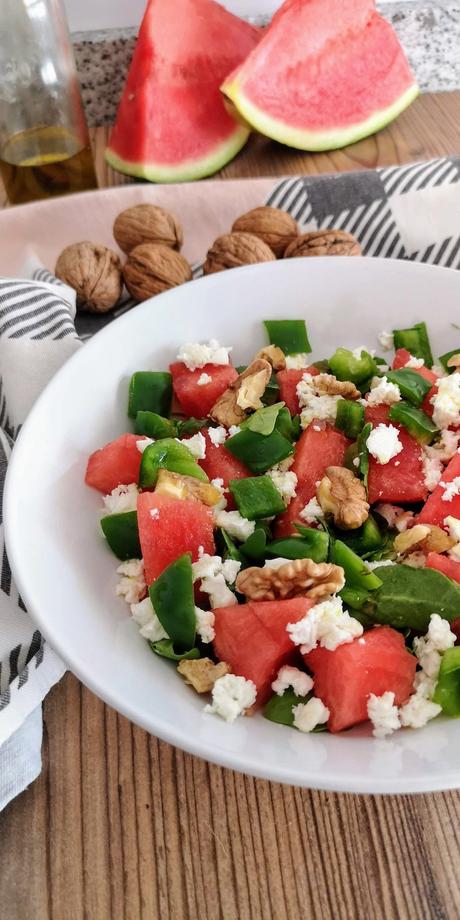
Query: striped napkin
<point>408,212</point>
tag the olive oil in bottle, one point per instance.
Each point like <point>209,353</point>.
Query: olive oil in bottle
<point>43,162</point>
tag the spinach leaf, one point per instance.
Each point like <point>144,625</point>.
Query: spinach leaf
<point>165,648</point>
<point>279,709</point>
<point>363,453</point>
<point>263,420</point>
<point>447,692</point>
<point>409,596</point>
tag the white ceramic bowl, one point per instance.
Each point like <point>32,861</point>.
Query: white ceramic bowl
<point>66,574</point>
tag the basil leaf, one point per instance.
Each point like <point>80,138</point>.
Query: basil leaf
<point>165,648</point>
<point>279,709</point>
<point>447,692</point>
<point>263,420</point>
<point>409,596</point>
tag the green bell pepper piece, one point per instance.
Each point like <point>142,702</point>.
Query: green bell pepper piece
<point>272,391</point>
<point>444,359</point>
<point>363,453</point>
<point>263,420</point>
<point>257,451</point>
<point>415,339</point>
<point>122,534</point>
<point>255,546</point>
<point>288,334</point>
<point>256,497</point>
<point>349,417</point>
<point>418,424</point>
<point>413,387</point>
<point>151,391</point>
<point>286,425</point>
<point>356,572</point>
<point>364,539</point>
<point>356,598</point>
<point>229,549</point>
<point>174,602</point>
<point>447,692</point>
<point>189,426</point>
<point>279,709</point>
<point>314,544</point>
<point>345,366</point>
<point>154,425</point>
<point>165,648</point>
<point>170,455</point>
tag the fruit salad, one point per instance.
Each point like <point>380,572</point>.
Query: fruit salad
<point>288,532</point>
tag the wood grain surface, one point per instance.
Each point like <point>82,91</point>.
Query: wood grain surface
<point>120,826</point>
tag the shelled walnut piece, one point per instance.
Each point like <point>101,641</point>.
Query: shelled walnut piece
<point>152,269</point>
<point>323,243</point>
<point>147,223</point>
<point>299,578</point>
<point>343,495</point>
<point>202,673</point>
<point>425,538</point>
<point>272,225</point>
<point>94,272</point>
<point>330,386</point>
<point>274,355</point>
<point>242,394</point>
<point>235,249</point>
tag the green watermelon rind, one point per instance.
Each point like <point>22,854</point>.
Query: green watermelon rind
<point>315,141</point>
<point>187,171</point>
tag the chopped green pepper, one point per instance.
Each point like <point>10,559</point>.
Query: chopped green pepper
<point>263,420</point>
<point>151,391</point>
<point>363,453</point>
<point>285,424</point>
<point>413,386</point>
<point>357,574</point>
<point>350,417</point>
<point>314,544</point>
<point>279,709</point>
<point>170,455</point>
<point>415,339</point>
<point>257,451</point>
<point>190,426</point>
<point>254,547</point>
<point>444,359</point>
<point>447,692</point>
<point>288,334</point>
<point>122,534</point>
<point>165,648</point>
<point>345,366</point>
<point>418,424</point>
<point>229,549</point>
<point>154,425</point>
<point>256,497</point>
<point>356,598</point>
<point>174,603</point>
<point>365,539</point>
<point>272,391</point>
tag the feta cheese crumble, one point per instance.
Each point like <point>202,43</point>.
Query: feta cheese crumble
<point>429,649</point>
<point>235,524</point>
<point>155,513</point>
<point>383,443</point>
<point>432,471</point>
<point>194,354</point>
<point>326,624</point>
<point>215,576</point>
<point>414,362</point>
<point>300,682</point>
<point>453,526</point>
<point>383,714</point>
<point>217,436</point>
<point>383,393</point>
<point>121,500</point>
<point>205,624</point>
<point>285,481</point>
<point>149,625</point>
<point>418,711</point>
<point>144,443</point>
<point>308,715</point>
<point>203,380</point>
<point>231,696</point>
<point>313,404</point>
<point>312,512</point>
<point>445,448</point>
<point>451,489</point>
<point>234,429</point>
<point>297,362</point>
<point>386,340</point>
<point>446,402</point>
<point>196,445</point>
<point>131,585</point>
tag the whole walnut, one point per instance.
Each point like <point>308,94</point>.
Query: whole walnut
<point>152,269</point>
<point>147,223</point>
<point>275,227</point>
<point>234,249</point>
<point>94,272</point>
<point>323,243</point>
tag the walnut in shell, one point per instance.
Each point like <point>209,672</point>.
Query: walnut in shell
<point>234,249</point>
<point>275,227</point>
<point>152,269</point>
<point>323,243</point>
<point>95,274</point>
<point>147,223</point>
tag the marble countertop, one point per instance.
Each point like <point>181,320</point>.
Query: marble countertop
<point>429,30</point>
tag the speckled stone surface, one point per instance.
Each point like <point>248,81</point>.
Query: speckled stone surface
<point>429,31</point>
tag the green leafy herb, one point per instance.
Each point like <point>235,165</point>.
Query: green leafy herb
<point>279,709</point>
<point>263,420</point>
<point>447,692</point>
<point>413,387</point>
<point>364,539</point>
<point>190,426</point>
<point>285,424</point>
<point>258,451</point>
<point>229,548</point>
<point>122,534</point>
<point>313,544</point>
<point>174,603</point>
<point>154,426</point>
<point>288,334</point>
<point>415,339</point>
<point>363,453</point>
<point>409,596</point>
<point>272,391</point>
<point>418,424</point>
<point>165,648</point>
<point>254,546</point>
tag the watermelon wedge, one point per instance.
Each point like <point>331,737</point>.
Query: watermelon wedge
<point>326,73</point>
<point>172,125</point>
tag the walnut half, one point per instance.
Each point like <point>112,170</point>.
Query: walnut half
<point>243,394</point>
<point>299,578</point>
<point>425,538</point>
<point>328,384</point>
<point>341,494</point>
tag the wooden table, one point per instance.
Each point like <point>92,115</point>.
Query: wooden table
<point>120,826</point>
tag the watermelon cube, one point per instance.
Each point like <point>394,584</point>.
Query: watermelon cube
<point>443,564</point>
<point>345,678</point>
<point>170,527</point>
<point>116,464</point>
<point>403,478</point>
<point>435,509</point>
<point>287,382</point>
<point>196,399</point>
<point>219,463</point>
<point>402,356</point>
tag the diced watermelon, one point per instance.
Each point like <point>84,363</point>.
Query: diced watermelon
<point>402,479</point>
<point>443,564</point>
<point>219,463</point>
<point>177,526</point>
<point>287,382</point>
<point>402,356</point>
<point>198,400</point>
<point>116,464</point>
<point>252,639</point>
<point>435,509</point>
<point>345,677</point>
<point>318,447</point>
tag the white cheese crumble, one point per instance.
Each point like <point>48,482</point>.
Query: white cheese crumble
<point>445,448</point>
<point>215,576</point>
<point>446,402</point>
<point>451,489</point>
<point>149,625</point>
<point>454,553</point>
<point>429,650</point>
<point>121,500</point>
<point>379,563</point>
<point>288,676</point>
<point>297,362</point>
<point>205,624</point>
<point>357,352</point>
<point>432,471</point>
<point>327,624</point>
<point>453,526</point>
<point>155,513</point>
<point>196,445</point>
<point>312,512</point>
<point>194,354</point>
<point>308,715</point>
<point>313,404</point>
<point>418,711</point>
<point>234,429</point>
<point>383,714</point>
<point>383,443</point>
<point>219,594</point>
<point>285,482</point>
<point>235,524</point>
<point>217,436</point>
<point>386,340</point>
<point>203,380</point>
<point>383,393</point>
<point>144,443</point>
<point>414,362</point>
<point>131,585</point>
<point>222,502</point>
<point>231,696</point>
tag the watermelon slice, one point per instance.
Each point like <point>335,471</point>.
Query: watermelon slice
<point>195,399</point>
<point>171,124</point>
<point>116,464</point>
<point>325,74</point>
<point>170,527</point>
<point>435,509</point>
<point>445,565</point>
<point>287,382</point>
<point>403,478</point>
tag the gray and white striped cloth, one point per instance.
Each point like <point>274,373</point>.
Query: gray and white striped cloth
<point>409,212</point>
